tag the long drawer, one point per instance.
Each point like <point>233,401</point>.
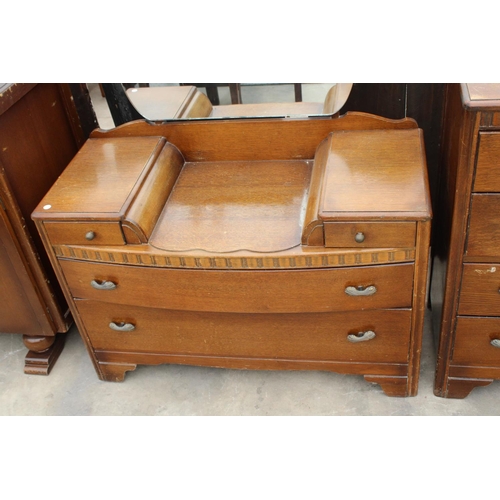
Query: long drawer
<point>473,342</point>
<point>480,290</point>
<point>283,291</point>
<point>312,336</point>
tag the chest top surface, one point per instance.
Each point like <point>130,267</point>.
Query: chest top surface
<point>481,95</point>
<point>146,187</point>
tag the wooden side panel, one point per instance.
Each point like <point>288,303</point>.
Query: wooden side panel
<point>459,142</point>
<point>265,139</point>
<point>37,140</point>
<point>21,309</point>
<point>36,143</point>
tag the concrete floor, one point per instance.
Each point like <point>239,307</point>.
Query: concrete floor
<point>73,388</point>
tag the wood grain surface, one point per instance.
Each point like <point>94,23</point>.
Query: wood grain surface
<point>318,290</point>
<point>285,336</point>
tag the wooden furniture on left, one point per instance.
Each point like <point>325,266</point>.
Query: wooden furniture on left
<point>251,244</point>
<point>40,132</point>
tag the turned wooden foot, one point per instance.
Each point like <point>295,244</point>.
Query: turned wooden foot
<point>114,372</point>
<point>392,386</point>
<point>42,354</point>
<point>459,388</point>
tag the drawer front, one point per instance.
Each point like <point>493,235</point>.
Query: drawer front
<point>484,228</point>
<point>84,233</point>
<point>473,342</point>
<point>318,290</point>
<point>370,234</point>
<point>488,163</point>
<point>479,293</point>
<point>317,336</point>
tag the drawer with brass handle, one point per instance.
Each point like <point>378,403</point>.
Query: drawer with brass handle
<point>370,234</point>
<point>477,341</point>
<point>480,290</point>
<point>318,290</point>
<point>364,336</point>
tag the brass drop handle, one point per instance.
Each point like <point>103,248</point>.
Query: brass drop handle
<point>361,336</point>
<point>103,285</point>
<point>90,235</point>
<point>361,291</point>
<point>495,343</point>
<point>359,237</point>
<point>122,327</point>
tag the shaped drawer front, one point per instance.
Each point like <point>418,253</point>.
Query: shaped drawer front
<point>487,178</point>
<point>479,294</point>
<point>383,336</point>
<point>484,227</point>
<point>477,342</point>
<point>370,234</point>
<point>84,233</point>
<point>317,290</point>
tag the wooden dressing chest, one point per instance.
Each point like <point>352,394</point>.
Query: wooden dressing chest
<point>466,267</point>
<point>256,244</point>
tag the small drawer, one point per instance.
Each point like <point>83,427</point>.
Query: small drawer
<point>487,178</point>
<point>382,336</point>
<point>484,228</point>
<point>370,234</point>
<point>477,342</point>
<point>284,291</point>
<point>479,293</point>
<point>84,233</point>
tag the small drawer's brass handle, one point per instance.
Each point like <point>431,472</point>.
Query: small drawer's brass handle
<point>495,343</point>
<point>122,327</point>
<point>361,336</point>
<point>360,237</point>
<point>103,285</point>
<point>361,291</point>
<point>90,235</point>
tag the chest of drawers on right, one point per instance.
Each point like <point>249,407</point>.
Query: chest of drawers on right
<point>466,274</point>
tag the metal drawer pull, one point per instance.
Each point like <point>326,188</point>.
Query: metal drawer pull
<point>90,235</point>
<point>361,336</point>
<point>359,237</point>
<point>103,285</point>
<point>122,327</point>
<point>357,291</point>
<point>495,342</point>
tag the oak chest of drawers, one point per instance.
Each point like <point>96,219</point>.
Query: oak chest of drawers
<point>466,267</point>
<point>267,244</point>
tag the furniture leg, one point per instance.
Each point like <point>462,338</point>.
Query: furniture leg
<point>392,386</point>
<point>114,372</point>
<point>459,388</point>
<point>43,353</point>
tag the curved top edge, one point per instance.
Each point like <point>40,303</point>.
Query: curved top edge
<point>351,119</point>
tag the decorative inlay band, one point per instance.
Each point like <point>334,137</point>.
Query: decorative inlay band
<point>317,260</point>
